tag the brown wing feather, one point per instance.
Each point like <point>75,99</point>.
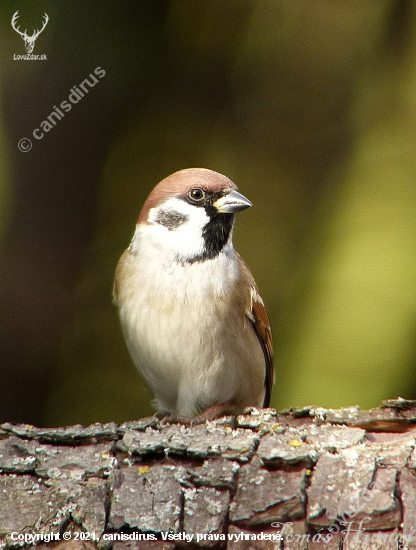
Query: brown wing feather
<point>261,325</point>
<point>257,314</point>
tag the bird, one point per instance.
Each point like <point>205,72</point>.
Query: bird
<point>190,311</point>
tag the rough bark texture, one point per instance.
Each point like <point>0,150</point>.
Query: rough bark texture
<point>340,479</point>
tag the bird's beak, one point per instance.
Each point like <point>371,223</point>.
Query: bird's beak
<point>232,202</point>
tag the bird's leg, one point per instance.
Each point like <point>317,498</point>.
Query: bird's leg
<point>209,414</point>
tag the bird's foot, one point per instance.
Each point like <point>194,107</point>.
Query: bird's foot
<point>209,414</point>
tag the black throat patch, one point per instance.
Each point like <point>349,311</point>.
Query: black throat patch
<point>216,233</point>
<point>217,230</point>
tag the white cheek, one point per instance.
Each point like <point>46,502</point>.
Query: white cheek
<point>186,240</point>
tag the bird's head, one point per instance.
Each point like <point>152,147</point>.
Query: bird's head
<point>191,214</point>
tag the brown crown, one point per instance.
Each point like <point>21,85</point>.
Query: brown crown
<point>181,182</point>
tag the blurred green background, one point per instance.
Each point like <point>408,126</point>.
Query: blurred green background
<point>308,106</point>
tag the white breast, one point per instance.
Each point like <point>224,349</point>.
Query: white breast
<point>181,332</point>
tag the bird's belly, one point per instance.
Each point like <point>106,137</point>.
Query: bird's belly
<point>190,357</point>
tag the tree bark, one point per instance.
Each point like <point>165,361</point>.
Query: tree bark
<point>299,479</point>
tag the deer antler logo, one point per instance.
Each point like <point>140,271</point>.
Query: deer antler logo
<point>29,40</point>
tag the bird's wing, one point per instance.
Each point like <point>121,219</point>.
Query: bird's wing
<point>257,314</point>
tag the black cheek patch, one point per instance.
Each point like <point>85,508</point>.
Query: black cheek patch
<point>171,219</point>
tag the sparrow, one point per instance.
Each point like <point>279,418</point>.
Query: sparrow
<point>192,317</point>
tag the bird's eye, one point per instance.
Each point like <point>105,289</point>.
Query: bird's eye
<point>196,194</point>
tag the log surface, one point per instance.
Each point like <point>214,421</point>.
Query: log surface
<point>344,478</point>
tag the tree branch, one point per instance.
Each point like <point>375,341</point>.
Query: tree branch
<point>311,475</point>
